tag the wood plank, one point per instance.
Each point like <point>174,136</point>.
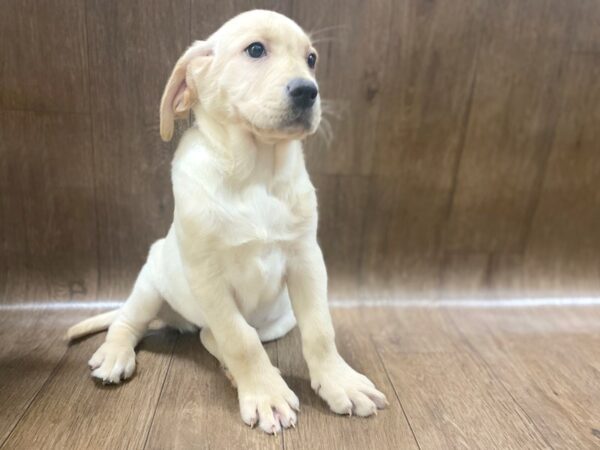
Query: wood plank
<point>31,349</point>
<point>404,72</point>
<point>587,31</point>
<point>131,53</point>
<point>507,277</point>
<point>400,251</point>
<point>466,275</point>
<point>353,40</point>
<point>199,408</point>
<point>208,15</point>
<point>342,201</point>
<point>547,360</point>
<point>563,247</point>
<point>487,378</point>
<point>318,427</point>
<point>44,60</point>
<point>73,411</point>
<point>428,80</point>
<point>47,215</point>
<point>425,105</point>
<point>451,398</point>
<point>516,103</point>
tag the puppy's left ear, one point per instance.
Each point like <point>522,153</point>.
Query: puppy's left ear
<point>180,93</point>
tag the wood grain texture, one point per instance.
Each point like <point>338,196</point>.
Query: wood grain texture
<point>318,427</point>
<point>44,59</point>
<point>464,275</point>
<point>509,134</point>
<point>27,361</point>
<point>426,98</point>
<point>451,397</point>
<point>545,359</point>
<point>208,16</point>
<point>564,237</point>
<point>47,214</point>
<point>342,201</point>
<point>461,131</point>
<point>73,411</point>
<point>353,35</point>
<point>455,378</point>
<point>587,32</point>
<point>132,51</point>
<point>400,252</point>
<point>464,163</point>
<point>198,407</point>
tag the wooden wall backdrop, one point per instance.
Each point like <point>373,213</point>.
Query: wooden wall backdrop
<point>465,158</point>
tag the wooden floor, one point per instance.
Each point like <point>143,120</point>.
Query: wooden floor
<point>459,377</point>
<point>463,167</point>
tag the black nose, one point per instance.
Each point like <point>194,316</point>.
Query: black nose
<point>302,92</point>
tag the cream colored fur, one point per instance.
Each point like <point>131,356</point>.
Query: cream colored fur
<point>241,259</point>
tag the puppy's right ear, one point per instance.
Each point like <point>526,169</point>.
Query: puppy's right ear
<point>180,93</point>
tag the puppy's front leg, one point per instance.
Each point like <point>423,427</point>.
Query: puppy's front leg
<point>263,394</point>
<point>345,390</point>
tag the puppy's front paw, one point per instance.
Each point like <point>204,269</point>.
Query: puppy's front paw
<point>345,390</point>
<point>113,362</point>
<point>268,402</point>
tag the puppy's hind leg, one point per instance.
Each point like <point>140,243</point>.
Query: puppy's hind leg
<point>115,359</point>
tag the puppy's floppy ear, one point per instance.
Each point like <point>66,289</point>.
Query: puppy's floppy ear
<point>180,93</point>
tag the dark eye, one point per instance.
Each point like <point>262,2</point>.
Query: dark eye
<point>256,50</point>
<point>311,60</point>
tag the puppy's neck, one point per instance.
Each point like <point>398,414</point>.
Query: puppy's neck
<point>246,157</point>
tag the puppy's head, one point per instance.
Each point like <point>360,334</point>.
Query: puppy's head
<point>256,71</point>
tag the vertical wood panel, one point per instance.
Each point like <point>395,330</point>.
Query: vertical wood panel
<point>133,47</point>
<point>401,256</point>
<point>429,73</point>
<point>48,217</point>
<point>42,44</point>
<point>466,275</point>
<point>428,81</point>
<point>564,241</point>
<point>515,107</point>
<point>587,32</point>
<point>208,16</point>
<point>448,113</point>
<point>342,202</point>
<point>353,38</point>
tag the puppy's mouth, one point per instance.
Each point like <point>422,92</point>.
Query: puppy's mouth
<point>294,124</point>
<point>298,118</point>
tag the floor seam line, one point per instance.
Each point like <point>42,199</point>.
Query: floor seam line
<point>162,388</point>
<point>475,353</point>
<point>282,428</point>
<point>387,375</point>
<point>35,396</point>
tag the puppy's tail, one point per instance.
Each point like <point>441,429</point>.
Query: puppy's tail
<point>92,325</point>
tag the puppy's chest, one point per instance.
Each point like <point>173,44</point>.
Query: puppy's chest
<point>273,221</point>
<point>272,217</point>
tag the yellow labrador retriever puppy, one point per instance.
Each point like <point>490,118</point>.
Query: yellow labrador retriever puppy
<point>241,259</point>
